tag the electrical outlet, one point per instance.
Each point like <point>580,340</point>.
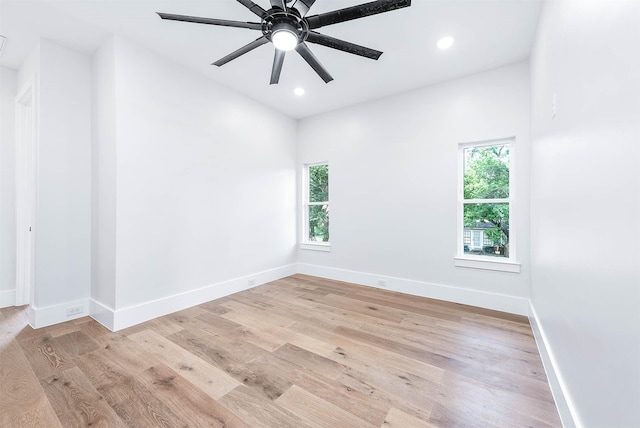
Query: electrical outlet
<point>252,281</point>
<point>381,283</point>
<point>74,311</point>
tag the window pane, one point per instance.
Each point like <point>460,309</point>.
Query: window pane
<point>486,172</point>
<point>488,225</point>
<point>319,183</point>
<point>319,223</point>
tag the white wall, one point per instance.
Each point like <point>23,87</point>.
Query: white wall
<point>29,68</point>
<point>205,181</point>
<point>63,187</point>
<point>63,180</point>
<point>585,204</point>
<point>103,175</point>
<point>175,189</point>
<point>8,88</point>
<point>393,185</point>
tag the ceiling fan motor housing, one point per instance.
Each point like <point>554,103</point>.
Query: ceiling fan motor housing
<point>277,21</point>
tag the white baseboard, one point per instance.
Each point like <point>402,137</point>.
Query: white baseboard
<point>102,313</point>
<point>49,315</point>
<point>466,296</point>
<point>127,317</point>
<point>564,404</point>
<point>7,298</point>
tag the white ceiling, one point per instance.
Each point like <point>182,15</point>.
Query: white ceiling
<point>488,34</point>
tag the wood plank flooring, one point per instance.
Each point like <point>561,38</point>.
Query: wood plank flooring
<point>298,352</point>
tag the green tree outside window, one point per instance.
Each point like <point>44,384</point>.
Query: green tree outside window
<point>486,193</point>
<point>318,214</point>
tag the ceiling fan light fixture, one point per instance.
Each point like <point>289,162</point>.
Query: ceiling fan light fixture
<point>284,38</point>
<point>445,43</point>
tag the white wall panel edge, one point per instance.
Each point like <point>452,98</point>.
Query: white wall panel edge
<point>559,389</point>
<point>494,301</point>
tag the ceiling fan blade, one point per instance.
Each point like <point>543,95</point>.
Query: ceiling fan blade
<point>355,12</point>
<point>253,7</point>
<point>303,6</point>
<point>352,48</point>
<point>279,4</point>
<point>243,50</point>
<point>210,21</point>
<point>311,59</point>
<point>278,60</point>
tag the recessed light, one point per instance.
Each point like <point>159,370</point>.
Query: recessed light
<point>298,91</point>
<point>445,43</point>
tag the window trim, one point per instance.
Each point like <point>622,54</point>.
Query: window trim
<point>305,243</point>
<point>461,259</point>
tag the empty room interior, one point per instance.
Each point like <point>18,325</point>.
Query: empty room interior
<point>331,213</point>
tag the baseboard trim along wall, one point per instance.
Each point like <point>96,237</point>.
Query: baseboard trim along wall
<point>119,319</point>
<point>122,318</point>
<point>49,315</point>
<point>102,313</point>
<point>466,296</point>
<point>7,298</point>
<point>558,387</point>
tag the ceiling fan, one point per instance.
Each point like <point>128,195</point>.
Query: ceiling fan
<point>287,27</point>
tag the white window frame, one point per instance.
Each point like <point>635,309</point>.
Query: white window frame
<point>305,243</point>
<point>461,259</point>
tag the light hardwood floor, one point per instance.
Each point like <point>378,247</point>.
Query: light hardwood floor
<point>298,352</point>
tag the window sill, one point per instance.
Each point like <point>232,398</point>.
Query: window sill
<point>316,246</point>
<point>487,264</point>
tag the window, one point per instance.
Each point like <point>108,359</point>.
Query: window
<point>485,204</point>
<point>316,204</point>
